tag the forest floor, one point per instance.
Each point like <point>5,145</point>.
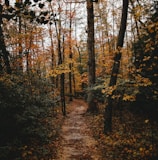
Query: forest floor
<point>81,137</point>
<point>76,138</point>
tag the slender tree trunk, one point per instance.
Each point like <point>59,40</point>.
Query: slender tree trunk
<point>116,66</point>
<point>70,56</point>
<point>59,45</point>
<point>3,51</point>
<point>28,48</point>
<point>62,81</point>
<point>52,52</point>
<point>62,76</point>
<point>92,107</point>
<point>60,59</point>
<point>54,80</point>
<point>20,48</point>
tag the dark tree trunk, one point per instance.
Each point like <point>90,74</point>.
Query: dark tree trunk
<point>116,66</point>
<point>70,56</point>
<point>62,93</point>
<point>62,76</point>
<point>20,48</point>
<point>60,61</point>
<point>3,51</point>
<point>92,107</point>
<point>20,65</point>
<point>70,78</point>
<point>62,82</point>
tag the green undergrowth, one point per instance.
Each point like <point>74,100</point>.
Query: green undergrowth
<point>29,117</point>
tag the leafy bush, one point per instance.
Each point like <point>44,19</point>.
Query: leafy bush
<point>24,106</point>
<point>146,59</point>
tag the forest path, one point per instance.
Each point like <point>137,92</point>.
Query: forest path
<point>76,140</point>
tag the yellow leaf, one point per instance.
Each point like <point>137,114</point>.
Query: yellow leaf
<point>146,121</point>
<point>129,97</point>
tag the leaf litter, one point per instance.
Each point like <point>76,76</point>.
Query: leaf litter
<point>76,139</point>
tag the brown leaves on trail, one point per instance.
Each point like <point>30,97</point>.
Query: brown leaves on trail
<point>76,139</point>
<point>133,137</point>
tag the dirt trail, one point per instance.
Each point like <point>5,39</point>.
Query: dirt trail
<point>77,142</point>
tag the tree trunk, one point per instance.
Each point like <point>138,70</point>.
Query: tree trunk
<point>52,53</point>
<point>70,56</point>
<point>3,51</point>
<point>116,66</point>
<point>62,93</point>
<point>92,107</point>
<point>20,48</point>
<point>62,76</point>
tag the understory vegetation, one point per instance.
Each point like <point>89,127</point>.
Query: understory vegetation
<point>28,117</point>
<point>134,135</point>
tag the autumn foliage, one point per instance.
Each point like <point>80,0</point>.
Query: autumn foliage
<point>44,65</point>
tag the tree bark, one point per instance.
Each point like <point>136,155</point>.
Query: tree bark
<point>3,51</point>
<point>70,56</point>
<point>116,66</point>
<point>60,61</point>
<point>92,107</point>
<point>62,76</point>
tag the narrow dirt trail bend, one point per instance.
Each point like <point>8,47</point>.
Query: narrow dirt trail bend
<point>77,142</point>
